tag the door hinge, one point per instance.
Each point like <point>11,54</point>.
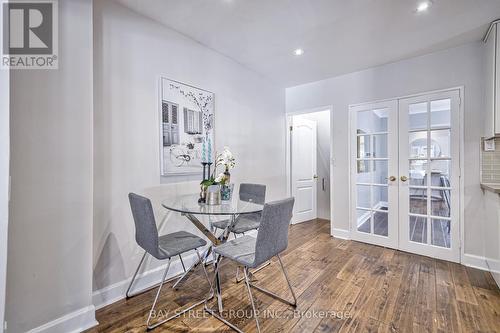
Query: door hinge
<point>5,326</point>
<point>291,128</point>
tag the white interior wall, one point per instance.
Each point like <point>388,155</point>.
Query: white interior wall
<point>49,271</point>
<point>454,67</point>
<point>131,51</point>
<point>322,119</point>
<point>4,184</point>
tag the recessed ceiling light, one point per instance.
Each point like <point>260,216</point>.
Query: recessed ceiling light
<point>423,6</point>
<point>298,52</point>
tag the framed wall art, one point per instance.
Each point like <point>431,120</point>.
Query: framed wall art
<point>186,128</point>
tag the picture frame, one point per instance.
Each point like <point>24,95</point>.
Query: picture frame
<point>187,118</point>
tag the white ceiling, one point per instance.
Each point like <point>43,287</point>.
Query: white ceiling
<point>338,36</point>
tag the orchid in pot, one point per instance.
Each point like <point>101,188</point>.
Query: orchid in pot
<point>227,161</point>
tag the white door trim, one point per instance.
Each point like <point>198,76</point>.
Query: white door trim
<point>288,161</point>
<point>461,90</point>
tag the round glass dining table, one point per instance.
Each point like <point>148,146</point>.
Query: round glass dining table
<point>189,207</point>
<point>188,204</point>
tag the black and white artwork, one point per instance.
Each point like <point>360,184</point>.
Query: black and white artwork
<point>187,128</point>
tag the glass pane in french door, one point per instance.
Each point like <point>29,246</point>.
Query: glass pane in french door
<point>440,233</point>
<point>429,164</point>
<point>418,229</point>
<point>372,171</point>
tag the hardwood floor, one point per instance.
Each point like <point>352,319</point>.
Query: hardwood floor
<point>370,289</point>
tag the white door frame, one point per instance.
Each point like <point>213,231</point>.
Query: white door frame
<point>461,90</point>
<point>4,186</point>
<point>288,117</point>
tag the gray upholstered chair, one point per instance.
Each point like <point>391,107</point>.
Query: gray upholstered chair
<point>248,192</point>
<point>251,252</point>
<point>252,193</point>
<point>161,247</point>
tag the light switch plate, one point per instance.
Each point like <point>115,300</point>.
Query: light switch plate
<point>489,145</point>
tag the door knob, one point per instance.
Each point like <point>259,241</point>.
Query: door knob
<point>404,178</point>
<point>392,178</point>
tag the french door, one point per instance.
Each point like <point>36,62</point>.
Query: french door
<point>405,174</point>
<point>374,193</point>
<point>429,168</point>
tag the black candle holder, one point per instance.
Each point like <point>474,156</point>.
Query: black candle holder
<point>206,176</point>
<point>204,169</point>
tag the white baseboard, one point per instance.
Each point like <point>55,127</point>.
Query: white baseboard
<point>496,277</point>
<point>149,278</point>
<point>485,264</point>
<point>493,265</point>
<point>482,263</point>
<point>474,261</point>
<point>73,322</point>
<point>341,233</point>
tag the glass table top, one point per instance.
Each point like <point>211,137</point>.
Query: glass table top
<point>188,204</point>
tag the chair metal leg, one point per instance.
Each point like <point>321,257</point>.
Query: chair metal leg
<point>127,294</point>
<point>245,270</point>
<point>183,275</point>
<point>186,272</point>
<point>252,272</point>
<point>279,298</point>
<point>287,281</point>
<point>206,261</point>
<point>219,296</point>
<point>218,290</point>
<point>219,317</point>
<point>237,267</point>
<point>182,263</point>
<point>150,327</point>
<point>205,271</point>
<point>177,313</point>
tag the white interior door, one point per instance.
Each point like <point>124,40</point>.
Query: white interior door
<point>374,168</point>
<point>429,171</point>
<point>304,169</point>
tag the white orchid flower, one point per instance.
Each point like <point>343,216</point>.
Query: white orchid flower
<point>220,177</point>
<point>226,158</point>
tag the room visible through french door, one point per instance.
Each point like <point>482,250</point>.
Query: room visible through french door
<point>405,174</point>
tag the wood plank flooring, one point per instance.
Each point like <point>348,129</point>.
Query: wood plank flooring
<point>341,286</point>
